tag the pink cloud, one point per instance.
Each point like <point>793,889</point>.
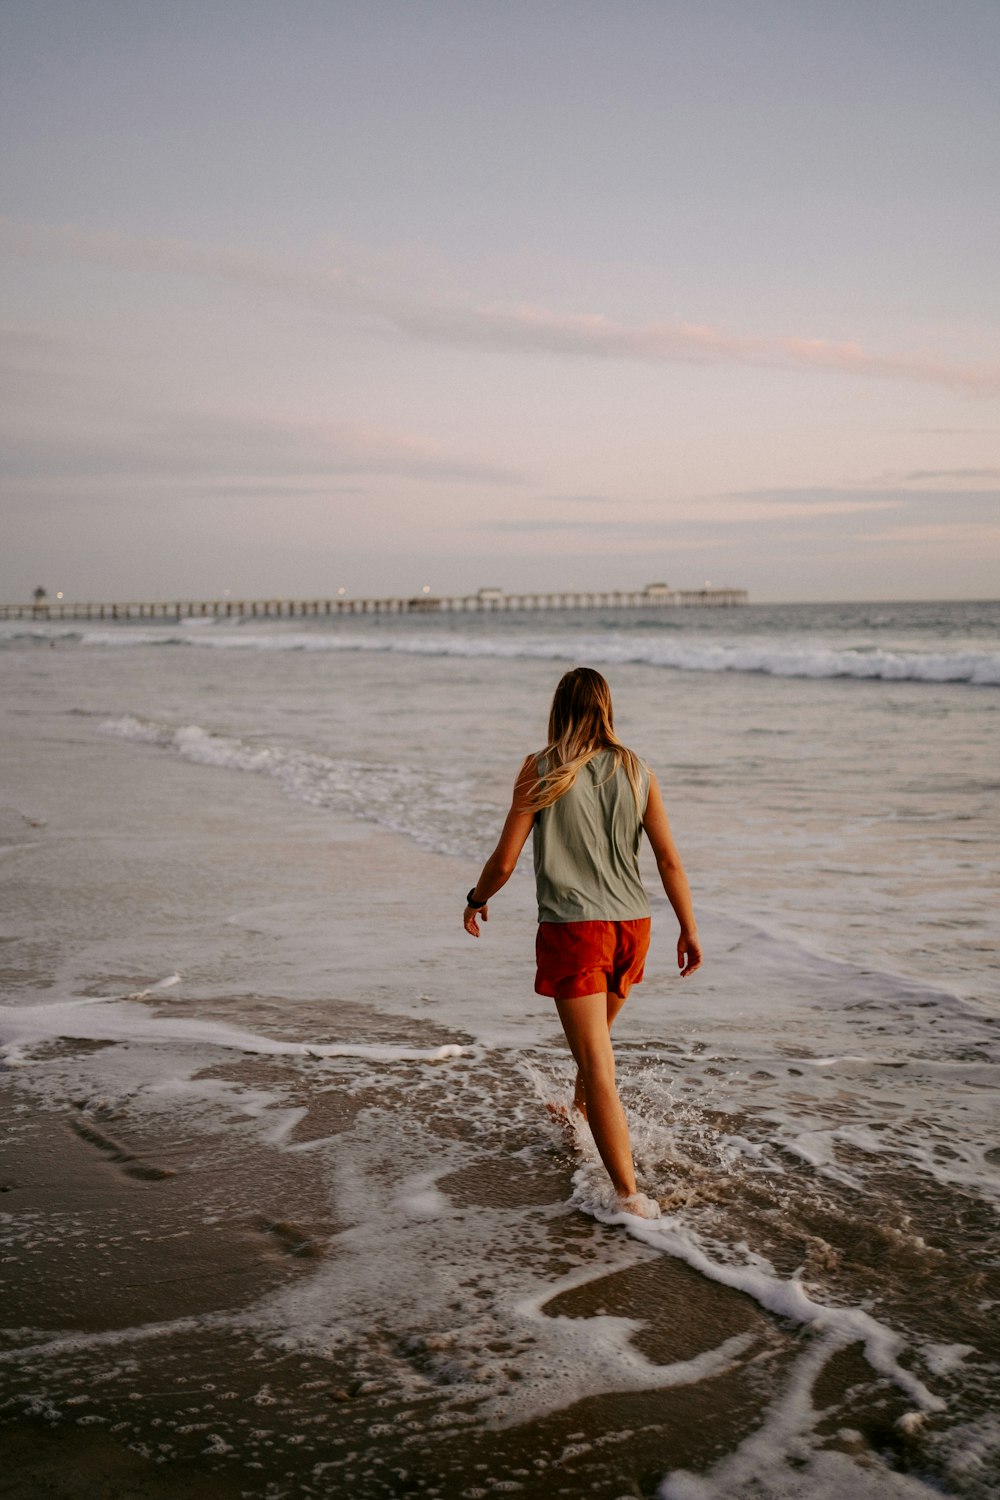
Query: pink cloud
<point>526,327</point>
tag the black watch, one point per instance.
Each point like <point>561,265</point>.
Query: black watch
<point>476,905</point>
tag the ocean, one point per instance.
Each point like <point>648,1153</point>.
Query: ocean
<point>333,1240</point>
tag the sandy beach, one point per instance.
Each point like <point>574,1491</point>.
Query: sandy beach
<point>146,1246</point>
<point>285,1212</point>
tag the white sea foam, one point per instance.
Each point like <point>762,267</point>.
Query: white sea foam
<point>778,1461</point>
<point>466,1316</point>
<point>73,1343</point>
<point>831,1326</point>
<point>23,1026</point>
<point>776,656</point>
<point>429,804</point>
<point>755,1150</point>
<point>411,1247</point>
<point>773,659</point>
<point>786,1297</point>
<point>783,1458</point>
<point>941,1359</point>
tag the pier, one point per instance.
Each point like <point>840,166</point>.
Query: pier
<point>653,596</point>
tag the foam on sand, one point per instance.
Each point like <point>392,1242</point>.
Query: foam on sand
<point>785,1457</point>
<point>96,1019</point>
<point>459,1303</point>
<point>788,1298</point>
<point>745,1271</point>
<point>779,1461</point>
<point>473,1327</point>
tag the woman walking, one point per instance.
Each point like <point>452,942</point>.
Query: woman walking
<point>587,799</point>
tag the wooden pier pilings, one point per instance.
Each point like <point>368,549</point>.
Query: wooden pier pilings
<point>486,600</point>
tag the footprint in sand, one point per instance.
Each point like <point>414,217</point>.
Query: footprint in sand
<point>126,1161</point>
<point>293,1239</point>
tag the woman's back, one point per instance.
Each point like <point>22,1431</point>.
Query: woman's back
<point>587,814</point>
<point>586,847</point>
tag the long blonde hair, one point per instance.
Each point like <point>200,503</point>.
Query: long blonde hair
<point>581,725</point>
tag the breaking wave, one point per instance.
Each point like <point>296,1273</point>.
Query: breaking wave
<point>773,657</point>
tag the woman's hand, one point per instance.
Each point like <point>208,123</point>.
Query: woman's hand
<point>688,953</point>
<point>470,921</point>
<point>668,862</point>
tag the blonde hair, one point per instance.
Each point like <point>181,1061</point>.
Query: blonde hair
<point>581,725</point>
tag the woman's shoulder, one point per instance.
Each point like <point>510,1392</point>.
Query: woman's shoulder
<point>532,766</point>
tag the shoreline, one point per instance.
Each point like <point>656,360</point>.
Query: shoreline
<point>252,1265</point>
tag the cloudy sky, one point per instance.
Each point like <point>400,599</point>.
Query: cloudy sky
<point>308,294</point>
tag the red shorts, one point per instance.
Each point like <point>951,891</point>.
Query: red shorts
<point>586,958</point>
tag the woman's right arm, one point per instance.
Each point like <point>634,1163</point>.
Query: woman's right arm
<point>513,836</point>
<point>675,882</point>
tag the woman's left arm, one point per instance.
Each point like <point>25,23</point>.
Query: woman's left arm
<point>500,866</point>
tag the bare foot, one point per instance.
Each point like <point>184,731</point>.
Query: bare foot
<point>561,1114</point>
<point>639,1205</point>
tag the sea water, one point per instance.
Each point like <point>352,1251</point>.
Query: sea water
<point>815,1110</point>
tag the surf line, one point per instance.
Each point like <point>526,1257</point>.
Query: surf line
<point>789,1299</point>
<point>111,1338</point>
<point>119,1021</point>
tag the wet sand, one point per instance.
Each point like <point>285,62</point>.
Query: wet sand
<point>151,1387</point>
<point>181,1210</point>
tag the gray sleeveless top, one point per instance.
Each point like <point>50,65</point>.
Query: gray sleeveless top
<point>586,847</point>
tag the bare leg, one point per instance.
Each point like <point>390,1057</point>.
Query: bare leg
<point>585,1020</point>
<point>614,1005</point>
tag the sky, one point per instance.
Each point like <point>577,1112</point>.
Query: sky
<point>302,295</point>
